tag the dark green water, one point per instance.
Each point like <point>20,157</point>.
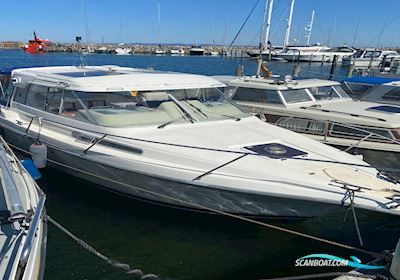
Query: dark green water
<point>175,244</point>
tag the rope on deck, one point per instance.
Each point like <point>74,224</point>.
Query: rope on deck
<point>132,271</point>
<point>220,212</point>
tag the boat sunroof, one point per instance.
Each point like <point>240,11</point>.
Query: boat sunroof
<point>90,73</point>
<point>385,108</point>
<point>276,151</point>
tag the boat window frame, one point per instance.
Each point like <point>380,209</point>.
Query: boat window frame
<point>373,138</point>
<point>302,102</point>
<point>236,88</point>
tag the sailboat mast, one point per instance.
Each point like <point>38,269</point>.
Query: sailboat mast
<point>289,25</point>
<point>158,22</point>
<point>266,24</point>
<point>310,28</point>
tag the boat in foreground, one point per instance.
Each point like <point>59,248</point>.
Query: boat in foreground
<point>23,223</point>
<point>174,139</point>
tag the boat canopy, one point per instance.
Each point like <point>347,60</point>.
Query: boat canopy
<point>114,78</point>
<point>370,80</point>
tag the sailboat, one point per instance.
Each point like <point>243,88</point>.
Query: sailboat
<point>159,50</point>
<point>122,50</point>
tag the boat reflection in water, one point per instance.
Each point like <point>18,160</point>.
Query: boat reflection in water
<point>174,139</point>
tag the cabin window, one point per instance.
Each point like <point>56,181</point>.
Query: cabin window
<point>36,97</point>
<point>20,94</point>
<point>53,100</point>
<point>302,125</point>
<point>128,108</point>
<point>394,94</point>
<point>359,53</point>
<point>373,54</point>
<point>360,132</point>
<point>354,88</point>
<point>324,93</point>
<point>296,95</point>
<point>257,95</point>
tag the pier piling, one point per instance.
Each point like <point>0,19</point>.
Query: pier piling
<point>333,66</point>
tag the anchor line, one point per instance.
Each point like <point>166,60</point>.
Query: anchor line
<point>220,212</point>
<point>114,263</point>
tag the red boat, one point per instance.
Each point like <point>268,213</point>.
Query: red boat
<point>36,45</point>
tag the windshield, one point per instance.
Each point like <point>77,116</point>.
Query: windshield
<point>117,109</point>
<point>327,93</point>
<point>358,53</point>
<point>296,95</point>
<point>370,54</point>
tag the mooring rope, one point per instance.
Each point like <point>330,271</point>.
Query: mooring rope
<point>194,205</point>
<point>132,271</point>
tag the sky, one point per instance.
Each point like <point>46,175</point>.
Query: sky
<point>200,22</point>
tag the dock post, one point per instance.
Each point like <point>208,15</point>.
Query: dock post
<point>351,70</point>
<point>395,265</point>
<point>323,60</point>
<point>383,63</point>
<point>241,55</point>
<point>309,62</point>
<point>391,64</point>
<point>333,66</point>
<point>296,70</point>
<point>269,55</point>
<point>236,53</point>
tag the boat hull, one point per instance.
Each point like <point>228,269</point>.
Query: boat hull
<point>174,193</point>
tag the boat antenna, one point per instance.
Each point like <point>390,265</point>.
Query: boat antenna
<point>264,38</point>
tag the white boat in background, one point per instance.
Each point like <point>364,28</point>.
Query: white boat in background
<point>159,52</point>
<point>23,222</point>
<point>388,93</point>
<point>173,138</point>
<point>121,50</point>
<point>177,52</point>
<point>102,50</point>
<point>196,50</point>
<point>320,109</point>
<point>302,53</point>
<point>370,57</point>
<point>322,55</point>
<point>212,53</point>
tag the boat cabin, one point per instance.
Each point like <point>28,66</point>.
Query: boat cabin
<point>119,97</point>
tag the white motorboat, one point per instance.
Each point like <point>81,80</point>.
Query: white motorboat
<point>196,50</point>
<point>315,53</point>
<point>360,85</point>
<point>324,55</point>
<point>23,222</point>
<point>173,138</point>
<point>370,57</point>
<point>102,50</point>
<point>159,52</point>
<point>123,51</point>
<point>212,53</point>
<point>388,93</point>
<point>177,51</point>
<point>320,109</point>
